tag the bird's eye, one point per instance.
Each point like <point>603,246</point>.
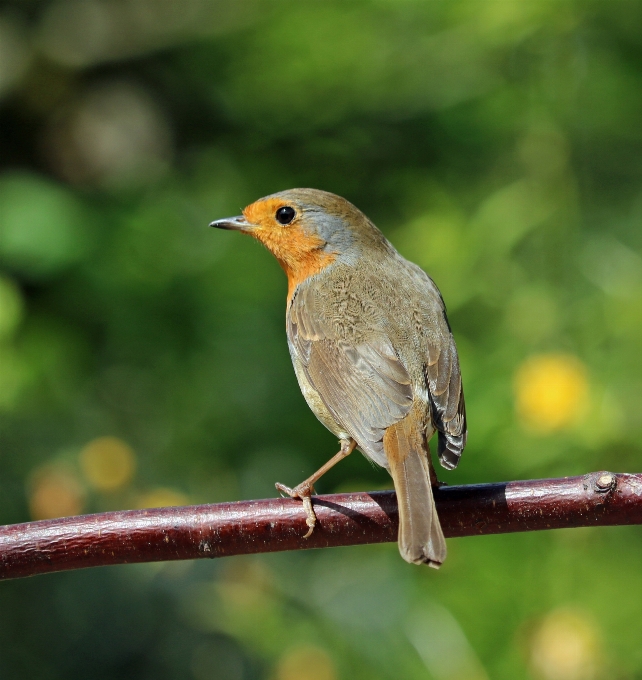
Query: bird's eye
<point>285,215</point>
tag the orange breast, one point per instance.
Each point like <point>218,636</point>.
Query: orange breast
<point>300,253</point>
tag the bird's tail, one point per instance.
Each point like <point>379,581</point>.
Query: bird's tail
<point>421,539</point>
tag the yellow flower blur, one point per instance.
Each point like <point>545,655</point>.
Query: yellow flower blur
<point>566,647</point>
<point>306,661</point>
<point>55,493</point>
<point>551,391</point>
<point>108,463</point>
<point>162,498</point>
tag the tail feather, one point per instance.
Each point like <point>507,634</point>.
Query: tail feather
<point>421,539</point>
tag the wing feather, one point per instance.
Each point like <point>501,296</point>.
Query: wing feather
<point>443,375</point>
<point>443,378</point>
<point>363,384</point>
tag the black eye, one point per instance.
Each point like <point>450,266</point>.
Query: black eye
<point>285,215</point>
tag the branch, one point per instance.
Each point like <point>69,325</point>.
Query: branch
<point>596,499</point>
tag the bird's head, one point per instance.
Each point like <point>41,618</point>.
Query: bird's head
<point>306,230</point>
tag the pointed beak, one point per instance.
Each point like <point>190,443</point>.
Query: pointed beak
<point>238,223</point>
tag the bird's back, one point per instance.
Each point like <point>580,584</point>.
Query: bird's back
<point>387,301</point>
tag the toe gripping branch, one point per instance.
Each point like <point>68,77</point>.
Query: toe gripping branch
<point>305,490</point>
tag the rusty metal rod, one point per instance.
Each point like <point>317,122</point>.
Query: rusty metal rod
<point>596,499</point>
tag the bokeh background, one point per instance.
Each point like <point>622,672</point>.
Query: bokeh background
<point>143,359</point>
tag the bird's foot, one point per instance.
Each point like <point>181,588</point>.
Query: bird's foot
<point>303,491</point>
<point>434,482</point>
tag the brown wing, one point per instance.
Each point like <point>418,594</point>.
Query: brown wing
<point>443,378</point>
<point>363,384</point>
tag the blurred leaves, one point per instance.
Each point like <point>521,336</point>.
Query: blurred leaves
<point>42,226</point>
<point>114,136</point>
<point>11,308</point>
<point>143,359</point>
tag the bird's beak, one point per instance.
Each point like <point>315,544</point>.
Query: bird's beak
<point>238,223</point>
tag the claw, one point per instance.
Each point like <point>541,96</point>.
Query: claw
<point>304,492</point>
<point>284,490</point>
<point>311,518</point>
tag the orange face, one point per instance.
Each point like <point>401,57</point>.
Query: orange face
<point>298,251</point>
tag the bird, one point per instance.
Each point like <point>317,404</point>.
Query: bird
<point>372,350</point>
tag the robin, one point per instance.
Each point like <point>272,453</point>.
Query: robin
<point>372,350</point>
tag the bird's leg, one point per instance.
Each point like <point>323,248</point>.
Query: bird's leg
<point>305,490</point>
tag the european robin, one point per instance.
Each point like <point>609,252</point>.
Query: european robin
<point>372,350</point>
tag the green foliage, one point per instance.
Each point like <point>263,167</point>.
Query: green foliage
<point>496,143</point>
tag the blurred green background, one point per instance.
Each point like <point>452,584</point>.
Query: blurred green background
<point>143,358</point>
